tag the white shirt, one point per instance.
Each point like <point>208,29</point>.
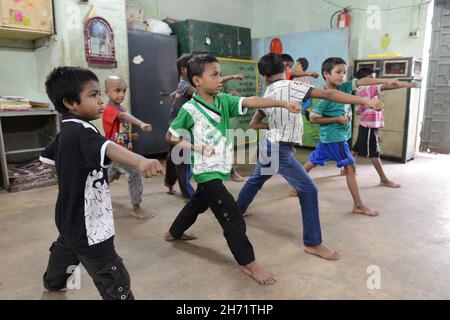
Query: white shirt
<point>284,125</point>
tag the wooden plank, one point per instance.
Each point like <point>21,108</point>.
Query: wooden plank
<point>24,151</point>
<point>28,113</point>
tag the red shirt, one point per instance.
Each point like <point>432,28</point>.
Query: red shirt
<point>116,129</point>
<point>289,75</point>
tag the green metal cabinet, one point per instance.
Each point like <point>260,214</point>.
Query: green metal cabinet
<point>223,40</point>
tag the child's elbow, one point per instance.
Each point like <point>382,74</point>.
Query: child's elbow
<point>169,137</point>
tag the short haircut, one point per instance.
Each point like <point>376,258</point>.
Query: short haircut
<point>270,64</point>
<point>364,73</point>
<point>304,63</point>
<point>113,79</point>
<point>329,64</point>
<point>67,83</point>
<point>287,58</point>
<point>196,65</point>
<point>182,61</point>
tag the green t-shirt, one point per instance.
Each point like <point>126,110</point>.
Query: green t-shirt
<point>336,132</point>
<point>208,125</point>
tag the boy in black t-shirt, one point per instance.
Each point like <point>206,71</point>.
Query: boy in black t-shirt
<point>83,213</point>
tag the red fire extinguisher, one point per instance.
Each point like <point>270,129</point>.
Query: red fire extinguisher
<point>344,19</point>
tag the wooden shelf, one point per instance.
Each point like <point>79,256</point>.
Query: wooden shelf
<point>24,151</point>
<point>32,112</point>
<point>21,34</point>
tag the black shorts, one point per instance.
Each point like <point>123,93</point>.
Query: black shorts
<point>367,144</point>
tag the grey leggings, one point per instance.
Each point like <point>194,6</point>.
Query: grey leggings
<point>135,186</point>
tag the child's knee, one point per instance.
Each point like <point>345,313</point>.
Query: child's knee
<point>350,168</point>
<point>116,281</point>
<point>54,284</point>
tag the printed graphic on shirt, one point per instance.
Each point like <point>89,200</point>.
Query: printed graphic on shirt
<point>123,136</point>
<point>97,208</point>
<point>205,133</point>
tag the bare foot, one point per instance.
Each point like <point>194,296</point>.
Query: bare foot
<point>389,184</point>
<point>171,191</point>
<point>324,252</point>
<point>236,177</point>
<point>141,214</point>
<point>258,273</point>
<point>366,211</point>
<point>293,193</point>
<point>247,213</point>
<point>184,237</point>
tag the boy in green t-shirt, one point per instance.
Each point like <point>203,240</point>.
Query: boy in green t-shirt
<point>205,120</point>
<point>335,127</point>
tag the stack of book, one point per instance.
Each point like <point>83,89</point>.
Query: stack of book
<point>10,103</point>
<point>38,104</point>
<point>29,176</point>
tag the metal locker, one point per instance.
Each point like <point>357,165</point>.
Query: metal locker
<point>153,76</point>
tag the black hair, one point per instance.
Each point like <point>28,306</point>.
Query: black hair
<point>67,83</point>
<point>330,63</point>
<point>196,65</point>
<point>364,73</point>
<point>182,61</point>
<point>270,64</point>
<point>285,57</point>
<point>304,62</point>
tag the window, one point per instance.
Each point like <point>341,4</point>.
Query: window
<point>99,44</point>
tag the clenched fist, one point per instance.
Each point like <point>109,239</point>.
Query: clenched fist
<point>150,168</point>
<point>146,127</point>
<point>294,107</point>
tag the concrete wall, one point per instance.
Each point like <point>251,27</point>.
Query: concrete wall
<point>234,12</point>
<point>24,72</point>
<point>290,16</point>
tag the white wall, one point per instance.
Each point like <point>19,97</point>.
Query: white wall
<point>23,72</point>
<point>290,16</point>
<point>18,73</point>
<point>234,12</point>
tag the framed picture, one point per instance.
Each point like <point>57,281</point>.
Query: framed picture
<point>367,64</point>
<point>396,68</point>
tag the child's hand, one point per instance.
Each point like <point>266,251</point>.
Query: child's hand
<point>135,136</point>
<point>343,119</point>
<point>208,151</point>
<point>314,74</point>
<point>146,127</point>
<point>293,106</point>
<point>413,84</point>
<point>174,95</point>
<point>238,76</point>
<point>376,105</point>
<point>150,168</point>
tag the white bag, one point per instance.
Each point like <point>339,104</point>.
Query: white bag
<point>157,26</point>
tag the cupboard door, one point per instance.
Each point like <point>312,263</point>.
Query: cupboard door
<point>31,15</point>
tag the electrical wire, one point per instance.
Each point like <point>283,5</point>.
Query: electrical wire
<point>381,9</point>
<point>332,17</point>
